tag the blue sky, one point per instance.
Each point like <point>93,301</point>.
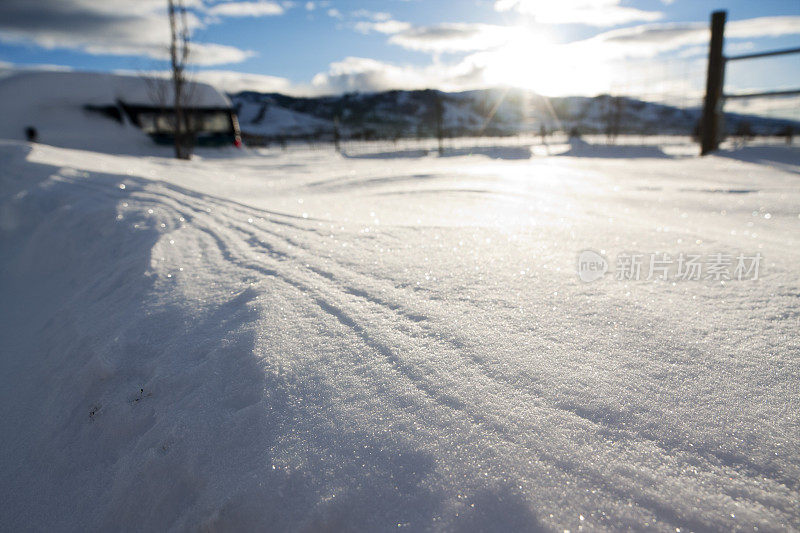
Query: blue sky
<point>556,47</point>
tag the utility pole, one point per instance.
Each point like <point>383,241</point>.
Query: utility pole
<point>711,120</point>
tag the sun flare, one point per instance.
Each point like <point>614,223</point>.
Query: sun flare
<point>535,62</point>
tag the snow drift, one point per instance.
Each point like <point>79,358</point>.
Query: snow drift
<point>303,342</point>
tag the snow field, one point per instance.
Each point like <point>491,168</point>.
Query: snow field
<point>303,341</point>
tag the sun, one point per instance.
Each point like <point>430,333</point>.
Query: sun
<point>534,62</point>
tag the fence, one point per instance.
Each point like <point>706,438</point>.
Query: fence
<point>711,121</point>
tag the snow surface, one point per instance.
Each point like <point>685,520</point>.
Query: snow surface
<point>303,341</point>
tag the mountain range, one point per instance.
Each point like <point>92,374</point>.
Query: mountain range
<point>269,117</point>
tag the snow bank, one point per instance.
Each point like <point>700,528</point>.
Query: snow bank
<point>300,341</point>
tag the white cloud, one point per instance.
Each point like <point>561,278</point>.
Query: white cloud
<point>110,27</point>
<point>377,22</point>
<point>233,82</point>
<point>246,9</point>
<point>651,39</point>
<point>363,74</point>
<point>763,27</point>
<point>225,80</point>
<point>454,37</point>
<point>387,27</point>
<point>352,74</point>
<point>335,13</point>
<point>369,75</point>
<point>209,54</point>
<point>372,15</point>
<point>601,13</point>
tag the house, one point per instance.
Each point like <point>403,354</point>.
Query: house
<point>211,125</point>
<point>109,112</point>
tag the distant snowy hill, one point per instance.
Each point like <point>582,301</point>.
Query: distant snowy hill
<point>394,114</point>
<point>265,117</point>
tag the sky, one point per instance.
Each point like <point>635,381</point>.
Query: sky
<point>654,48</point>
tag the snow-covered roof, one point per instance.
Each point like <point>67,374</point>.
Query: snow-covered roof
<point>103,89</point>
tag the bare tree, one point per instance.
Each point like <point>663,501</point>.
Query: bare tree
<point>438,107</point>
<point>613,117</point>
<point>337,135</point>
<point>435,116</point>
<point>179,57</point>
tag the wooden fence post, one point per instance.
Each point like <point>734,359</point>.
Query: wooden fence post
<point>711,120</point>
